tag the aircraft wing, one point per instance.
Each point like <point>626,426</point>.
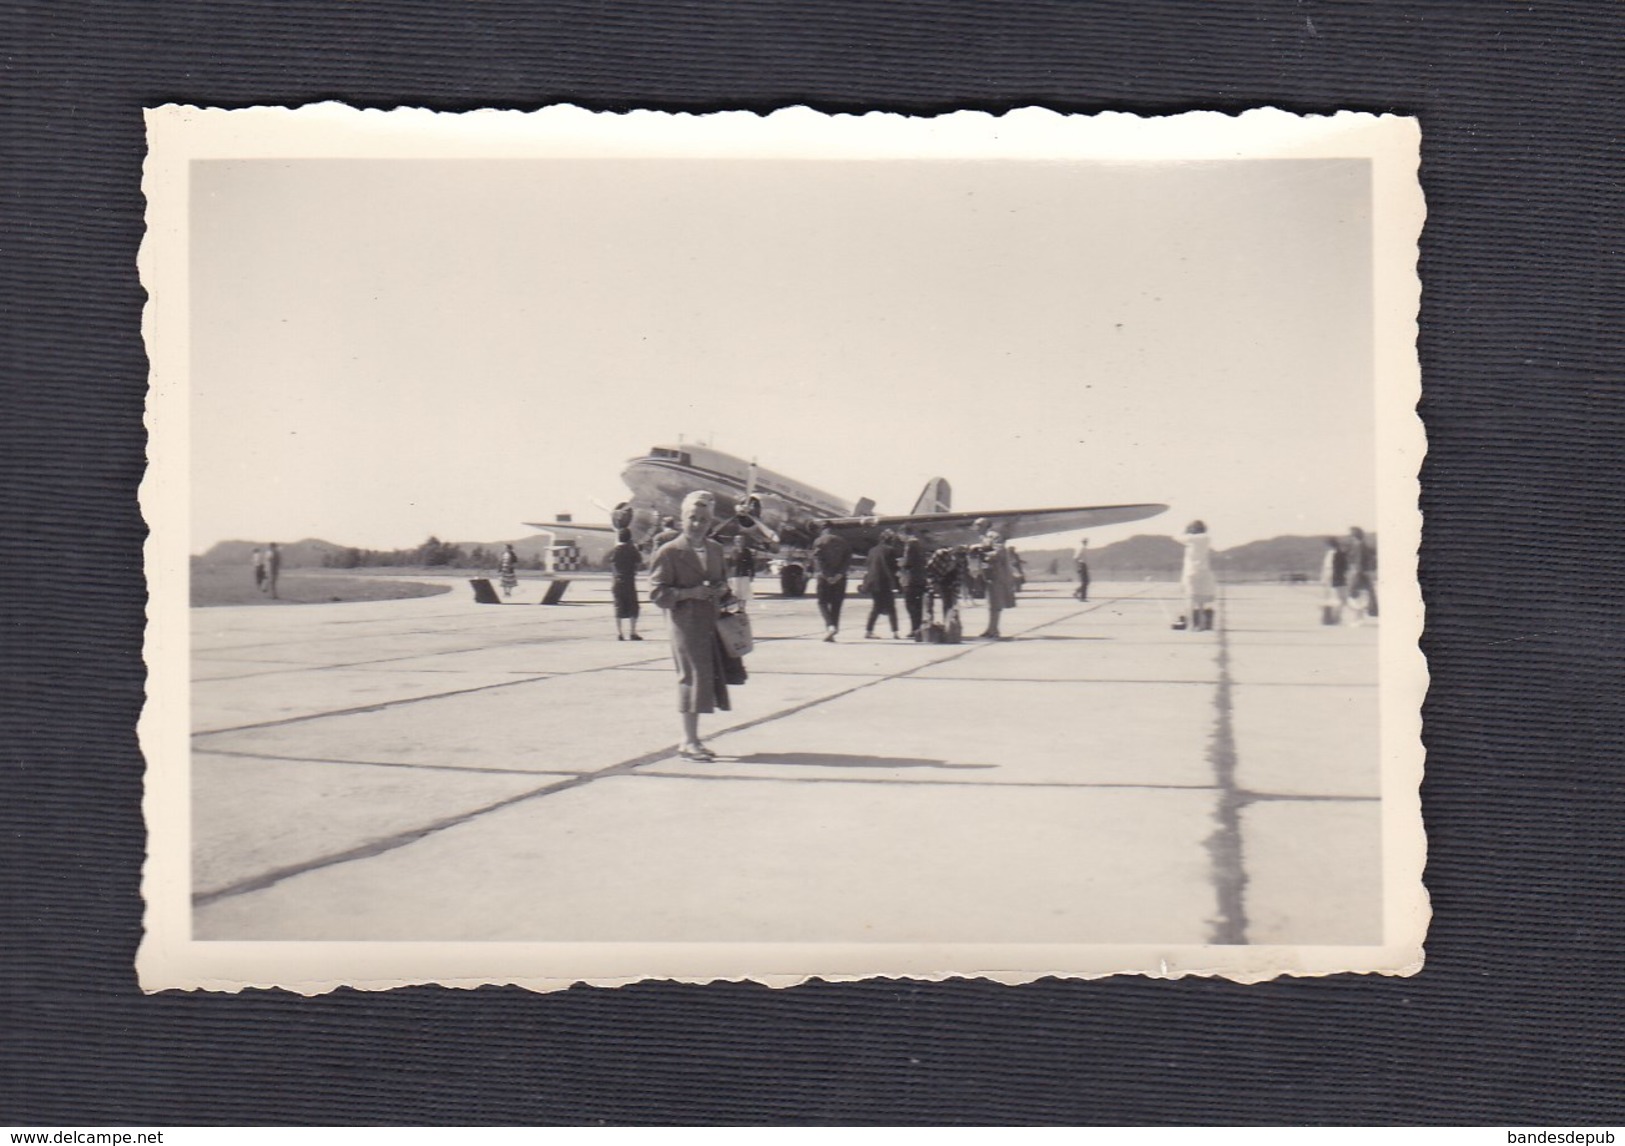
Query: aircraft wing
<point>959,527</point>
<point>566,530</point>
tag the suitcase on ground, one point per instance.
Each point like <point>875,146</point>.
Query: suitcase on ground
<point>949,632</point>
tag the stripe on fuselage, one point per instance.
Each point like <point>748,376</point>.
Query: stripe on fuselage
<point>665,484</point>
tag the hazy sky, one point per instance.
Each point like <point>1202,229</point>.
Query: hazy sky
<point>386,349</point>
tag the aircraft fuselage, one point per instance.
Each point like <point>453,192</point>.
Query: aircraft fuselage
<point>660,479</point>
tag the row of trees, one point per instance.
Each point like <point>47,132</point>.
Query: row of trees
<point>432,552</point>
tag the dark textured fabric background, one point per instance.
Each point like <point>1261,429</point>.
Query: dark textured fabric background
<point>1517,1017</point>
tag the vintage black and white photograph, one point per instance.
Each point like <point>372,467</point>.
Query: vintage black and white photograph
<point>596,548</point>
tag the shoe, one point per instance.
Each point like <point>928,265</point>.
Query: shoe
<point>699,752</point>
<point>618,637</point>
<point>868,636</point>
<point>830,636</point>
<point>634,637</point>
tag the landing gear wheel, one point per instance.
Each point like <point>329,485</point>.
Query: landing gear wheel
<point>793,581</point>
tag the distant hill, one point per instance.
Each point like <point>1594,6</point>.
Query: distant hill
<point>1161,557</point>
<point>295,554</point>
<point>1134,558</point>
<point>1156,556</point>
<point>312,553</point>
<point>1272,558</point>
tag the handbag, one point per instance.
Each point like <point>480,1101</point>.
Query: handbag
<point>734,631</point>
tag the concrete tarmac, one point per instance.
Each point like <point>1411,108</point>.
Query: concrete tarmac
<point>436,769</point>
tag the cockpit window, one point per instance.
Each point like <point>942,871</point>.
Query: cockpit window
<point>659,452</point>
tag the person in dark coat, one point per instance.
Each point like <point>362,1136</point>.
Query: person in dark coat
<point>1000,578</point>
<point>880,582</point>
<point>624,563</point>
<point>831,558</point>
<point>1362,555</point>
<point>688,579</point>
<point>911,574</point>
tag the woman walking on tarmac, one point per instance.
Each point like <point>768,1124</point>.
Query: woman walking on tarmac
<point>688,580</point>
<point>1197,578</point>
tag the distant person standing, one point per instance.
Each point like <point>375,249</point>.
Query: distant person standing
<point>259,568</point>
<point>880,579</point>
<point>831,559</point>
<point>624,563</point>
<point>743,535</point>
<point>741,570</point>
<point>273,569</point>
<point>1080,561</point>
<point>1197,576</point>
<point>1334,574</point>
<point>911,574</point>
<point>999,578</point>
<point>508,570</point>
<point>1362,572</point>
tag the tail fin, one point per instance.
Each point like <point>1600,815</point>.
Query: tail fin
<point>936,497</point>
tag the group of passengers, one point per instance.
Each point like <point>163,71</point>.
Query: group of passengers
<point>701,569</point>
<point>899,564</point>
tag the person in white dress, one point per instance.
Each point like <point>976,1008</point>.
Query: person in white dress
<point>1197,577</point>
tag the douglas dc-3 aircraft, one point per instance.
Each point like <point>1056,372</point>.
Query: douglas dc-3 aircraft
<point>795,512</point>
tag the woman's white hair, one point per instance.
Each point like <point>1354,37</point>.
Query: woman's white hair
<point>698,496</point>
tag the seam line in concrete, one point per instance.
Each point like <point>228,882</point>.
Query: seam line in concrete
<point>472,770</point>
<point>1246,795</point>
<point>1224,846</point>
<point>386,704</point>
<point>401,839</point>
